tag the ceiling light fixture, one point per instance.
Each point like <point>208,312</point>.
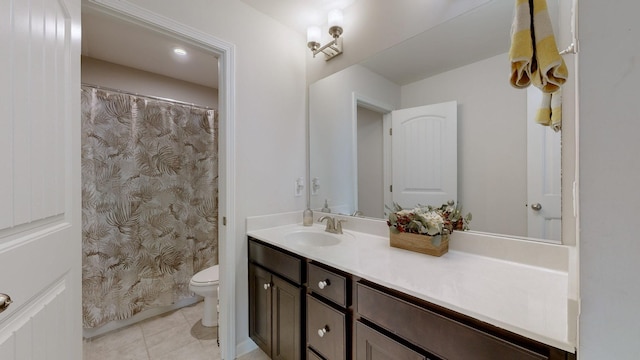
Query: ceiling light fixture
<point>332,48</point>
<point>179,51</point>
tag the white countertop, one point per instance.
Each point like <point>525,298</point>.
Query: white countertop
<point>528,300</point>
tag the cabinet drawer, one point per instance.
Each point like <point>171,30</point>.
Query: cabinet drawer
<point>327,284</point>
<point>311,355</point>
<point>433,332</point>
<point>285,265</point>
<point>326,330</point>
<point>372,345</point>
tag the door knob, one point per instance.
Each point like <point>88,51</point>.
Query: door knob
<point>5,301</point>
<point>536,206</point>
<point>266,286</point>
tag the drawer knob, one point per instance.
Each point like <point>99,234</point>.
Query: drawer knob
<point>323,331</point>
<point>323,284</point>
<point>266,286</point>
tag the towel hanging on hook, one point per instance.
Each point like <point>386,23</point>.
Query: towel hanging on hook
<point>550,111</point>
<point>534,54</point>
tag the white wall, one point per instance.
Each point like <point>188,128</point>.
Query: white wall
<point>331,106</point>
<point>270,114</point>
<point>114,76</point>
<point>492,138</point>
<point>609,177</point>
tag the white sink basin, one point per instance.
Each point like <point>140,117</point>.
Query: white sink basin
<point>314,238</point>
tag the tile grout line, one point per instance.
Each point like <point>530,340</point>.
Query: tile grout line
<point>144,341</point>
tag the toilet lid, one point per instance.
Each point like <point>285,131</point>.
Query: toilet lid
<point>209,275</point>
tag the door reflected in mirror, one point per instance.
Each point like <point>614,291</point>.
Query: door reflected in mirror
<point>501,165</point>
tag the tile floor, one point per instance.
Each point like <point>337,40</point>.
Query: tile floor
<point>175,335</point>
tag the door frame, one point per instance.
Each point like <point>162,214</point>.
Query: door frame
<point>225,51</point>
<point>385,109</point>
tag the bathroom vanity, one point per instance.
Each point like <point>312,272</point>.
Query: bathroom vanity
<point>358,298</point>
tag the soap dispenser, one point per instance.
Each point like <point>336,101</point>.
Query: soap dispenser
<point>326,207</point>
<point>307,217</point>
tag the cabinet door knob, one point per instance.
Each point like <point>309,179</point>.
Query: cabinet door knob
<point>536,207</point>
<point>266,286</point>
<point>323,284</point>
<point>323,331</point>
<point>5,301</point>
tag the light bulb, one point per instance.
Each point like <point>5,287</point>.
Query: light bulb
<point>313,34</point>
<point>335,18</point>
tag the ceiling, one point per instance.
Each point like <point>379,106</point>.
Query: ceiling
<point>479,34</point>
<point>299,14</point>
<point>485,33</point>
<point>121,42</point>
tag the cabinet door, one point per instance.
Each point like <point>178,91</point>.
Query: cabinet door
<point>372,345</point>
<point>286,321</point>
<point>260,288</point>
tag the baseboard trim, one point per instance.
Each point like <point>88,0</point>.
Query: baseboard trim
<point>245,347</point>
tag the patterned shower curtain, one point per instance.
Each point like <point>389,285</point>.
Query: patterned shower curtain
<point>149,202</point>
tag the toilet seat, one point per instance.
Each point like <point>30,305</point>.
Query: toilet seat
<point>207,277</point>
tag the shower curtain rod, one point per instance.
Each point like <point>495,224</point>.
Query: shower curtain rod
<point>147,96</point>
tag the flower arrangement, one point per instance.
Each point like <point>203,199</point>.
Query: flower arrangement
<point>429,220</point>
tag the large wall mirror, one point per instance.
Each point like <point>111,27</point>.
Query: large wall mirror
<point>506,169</point>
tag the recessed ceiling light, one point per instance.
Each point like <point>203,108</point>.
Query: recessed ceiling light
<point>179,51</point>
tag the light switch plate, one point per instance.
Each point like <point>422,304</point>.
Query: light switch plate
<point>299,186</point>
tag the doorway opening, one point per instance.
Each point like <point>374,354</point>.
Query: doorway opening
<point>224,69</point>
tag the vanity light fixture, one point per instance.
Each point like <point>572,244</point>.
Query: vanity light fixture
<point>332,48</point>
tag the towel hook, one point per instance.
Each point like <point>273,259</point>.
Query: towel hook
<point>572,48</point>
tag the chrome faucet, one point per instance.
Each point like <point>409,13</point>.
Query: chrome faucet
<point>333,226</point>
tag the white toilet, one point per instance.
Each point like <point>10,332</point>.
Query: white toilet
<point>205,284</point>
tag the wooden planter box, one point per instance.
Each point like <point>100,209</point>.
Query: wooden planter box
<point>418,243</point>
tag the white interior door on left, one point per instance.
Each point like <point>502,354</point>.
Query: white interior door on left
<point>40,240</point>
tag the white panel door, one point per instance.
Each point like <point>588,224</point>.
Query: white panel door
<point>424,155</point>
<point>543,175</point>
<point>40,240</point>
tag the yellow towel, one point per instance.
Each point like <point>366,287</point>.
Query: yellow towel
<point>549,70</point>
<point>550,111</point>
<point>521,52</point>
<point>538,62</point>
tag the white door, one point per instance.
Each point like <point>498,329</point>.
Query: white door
<point>543,175</point>
<point>424,155</point>
<point>40,240</point>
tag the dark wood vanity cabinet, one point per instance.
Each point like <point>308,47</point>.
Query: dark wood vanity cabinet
<point>276,302</point>
<point>304,309</point>
<point>414,328</point>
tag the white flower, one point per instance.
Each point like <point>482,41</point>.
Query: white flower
<point>404,212</point>
<point>434,222</point>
